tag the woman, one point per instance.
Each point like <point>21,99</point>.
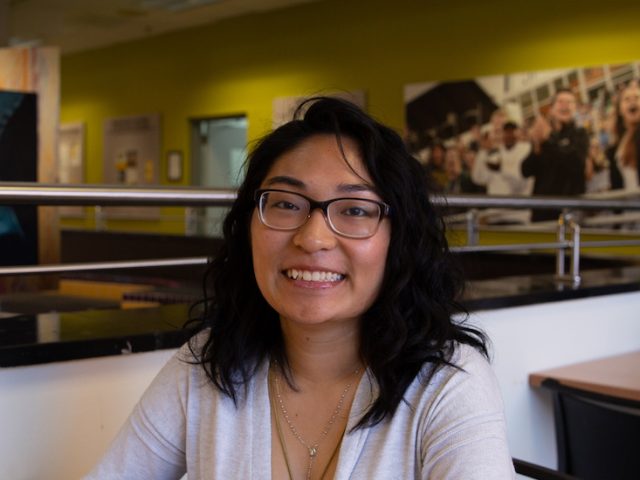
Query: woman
<point>623,155</point>
<point>436,166</point>
<point>329,349</point>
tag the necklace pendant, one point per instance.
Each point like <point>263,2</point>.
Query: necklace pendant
<point>313,451</point>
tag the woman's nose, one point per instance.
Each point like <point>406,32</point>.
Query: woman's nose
<point>315,234</point>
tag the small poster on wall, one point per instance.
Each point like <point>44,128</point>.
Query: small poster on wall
<point>285,107</point>
<point>71,161</point>
<point>563,132</point>
<point>132,158</point>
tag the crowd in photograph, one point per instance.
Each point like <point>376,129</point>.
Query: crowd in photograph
<point>574,148</point>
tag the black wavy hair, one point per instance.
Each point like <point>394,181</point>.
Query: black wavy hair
<point>411,321</point>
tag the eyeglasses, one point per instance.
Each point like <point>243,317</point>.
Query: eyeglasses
<point>349,217</point>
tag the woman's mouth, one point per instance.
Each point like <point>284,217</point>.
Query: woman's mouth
<point>313,275</point>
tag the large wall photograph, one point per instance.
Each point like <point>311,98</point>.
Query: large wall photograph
<point>562,132</point>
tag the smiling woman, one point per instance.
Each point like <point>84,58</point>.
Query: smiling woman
<point>327,348</point>
<point>623,155</point>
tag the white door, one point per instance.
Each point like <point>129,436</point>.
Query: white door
<point>218,152</point>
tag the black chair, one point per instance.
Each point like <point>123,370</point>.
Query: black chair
<point>531,470</point>
<point>597,436</point>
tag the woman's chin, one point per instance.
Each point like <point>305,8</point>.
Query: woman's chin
<point>317,320</point>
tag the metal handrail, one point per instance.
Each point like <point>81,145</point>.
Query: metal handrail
<point>555,203</point>
<point>191,261</point>
<point>509,247</point>
<point>118,195</point>
<point>112,265</point>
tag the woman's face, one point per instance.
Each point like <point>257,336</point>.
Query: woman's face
<point>437,156</point>
<point>453,166</point>
<point>343,275</point>
<point>630,104</point>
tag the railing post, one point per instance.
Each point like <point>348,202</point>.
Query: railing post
<point>99,218</point>
<point>472,227</point>
<point>191,220</point>
<point>575,252</point>
<point>565,220</point>
<point>561,236</point>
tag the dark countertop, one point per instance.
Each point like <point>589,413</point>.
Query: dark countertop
<point>28,339</point>
<point>52,337</point>
<point>516,291</point>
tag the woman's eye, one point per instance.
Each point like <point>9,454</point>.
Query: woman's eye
<point>356,212</point>
<point>285,205</point>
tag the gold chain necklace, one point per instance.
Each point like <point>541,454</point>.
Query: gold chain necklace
<point>312,449</point>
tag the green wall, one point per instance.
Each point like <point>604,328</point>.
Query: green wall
<point>239,65</point>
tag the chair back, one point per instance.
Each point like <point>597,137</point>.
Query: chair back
<point>597,436</point>
<point>538,472</point>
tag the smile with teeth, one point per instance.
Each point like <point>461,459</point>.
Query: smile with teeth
<point>313,276</point>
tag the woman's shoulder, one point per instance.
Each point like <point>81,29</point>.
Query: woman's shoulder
<point>468,360</point>
<point>193,347</point>
<point>182,368</point>
<point>468,371</point>
<point>191,368</point>
<point>469,356</point>
<point>457,356</point>
<point>191,352</point>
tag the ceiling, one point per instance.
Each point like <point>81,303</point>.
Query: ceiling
<point>77,25</point>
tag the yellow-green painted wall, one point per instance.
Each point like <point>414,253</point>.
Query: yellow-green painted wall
<point>240,65</point>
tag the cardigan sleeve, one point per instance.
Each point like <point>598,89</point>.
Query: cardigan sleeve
<point>464,430</point>
<point>151,444</point>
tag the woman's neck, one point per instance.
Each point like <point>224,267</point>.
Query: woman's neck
<point>321,354</point>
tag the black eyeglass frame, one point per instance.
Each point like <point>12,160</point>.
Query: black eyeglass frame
<point>324,206</point>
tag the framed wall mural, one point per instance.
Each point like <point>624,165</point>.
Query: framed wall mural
<point>561,132</point>
<point>132,158</point>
